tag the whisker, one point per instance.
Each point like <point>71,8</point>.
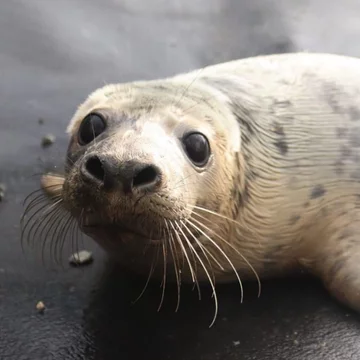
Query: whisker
<point>62,239</point>
<point>192,253</point>
<point>36,201</point>
<point>52,215</point>
<point>153,265</point>
<point>182,180</point>
<point>41,225</point>
<point>164,274</point>
<point>38,191</point>
<point>184,251</point>
<point>209,278</point>
<point>234,248</point>
<point>70,160</point>
<point>219,215</point>
<point>57,237</point>
<point>65,230</point>
<point>36,213</point>
<point>203,248</point>
<point>57,215</point>
<point>188,87</point>
<point>197,103</point>
<point>175,262</point>
<point>223,253</point>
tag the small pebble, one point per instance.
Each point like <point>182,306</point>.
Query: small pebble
<point>41,121</point>
<point>81,258</point>
<point>40,306</point>
<point>47,140</point>
<point>236,343</point>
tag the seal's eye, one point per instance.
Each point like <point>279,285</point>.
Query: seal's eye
<point>91,127</point>
<point>197,148</point>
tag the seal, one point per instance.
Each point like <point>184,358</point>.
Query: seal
<point>243,170</point>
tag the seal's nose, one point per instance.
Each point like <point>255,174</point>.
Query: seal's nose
<point>128,175</point>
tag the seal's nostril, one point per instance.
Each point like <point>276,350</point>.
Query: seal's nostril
<point>147,176</point>
<point>95,168</point>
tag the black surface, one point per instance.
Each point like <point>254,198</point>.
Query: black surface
<point>52,54</point>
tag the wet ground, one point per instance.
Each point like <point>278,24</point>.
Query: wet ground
<point>52,54</point>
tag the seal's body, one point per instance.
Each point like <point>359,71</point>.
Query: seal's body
<point>248,168</point>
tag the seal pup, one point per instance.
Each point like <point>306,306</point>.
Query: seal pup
<point>243,170</point>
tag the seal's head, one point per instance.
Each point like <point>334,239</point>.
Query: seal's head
<point>150,163</point>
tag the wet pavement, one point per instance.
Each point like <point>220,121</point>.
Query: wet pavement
<point>52,54</point>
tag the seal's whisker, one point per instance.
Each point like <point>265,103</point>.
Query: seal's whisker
<point>208,276</point>
<point>175,263</point>
<point>163,283</point>
<point>34,202</point>
<point>47,206</point>
<point>196,104</point>
<point>203,248</point>
<point>56,232</point>
<point>50,222</point>
<point>41,223</point>
<point>188,86</point>
<point>25,222</point>
<point>78,234</point>
<point>75,240</point>
<point>71,224</point>
<point>42,242</point>
<point>222,252</point>
<point>218,215</point>
<point>32,212</point>
<point>64,228</point>
<point>59,214</point>
<point>41,191</point>
<point>93,130</point>
<point>181,182</point>
<point>55,252</point>
<point>68,229</point>
<point>193,276</point>
<point>70,160</point>
<point>193,255</point>
<point>234,248</point>
<point>237,251</point>
<point>153,265</point>
<point>73,235</point>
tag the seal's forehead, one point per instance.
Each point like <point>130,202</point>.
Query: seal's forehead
<point>136,99</point>
<point>134,96</point>
<point>168,102</point>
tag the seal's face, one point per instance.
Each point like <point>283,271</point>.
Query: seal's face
<point>128,174</point>
<point>138,167</point>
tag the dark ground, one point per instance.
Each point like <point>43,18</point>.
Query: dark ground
<point>52,54</point>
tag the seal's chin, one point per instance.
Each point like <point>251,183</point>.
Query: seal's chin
<point>118,232</point>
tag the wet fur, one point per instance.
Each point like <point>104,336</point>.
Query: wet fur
<point>284,186</point>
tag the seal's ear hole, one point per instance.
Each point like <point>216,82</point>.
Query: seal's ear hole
<point>91,127</point>
<point>197,148</point>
